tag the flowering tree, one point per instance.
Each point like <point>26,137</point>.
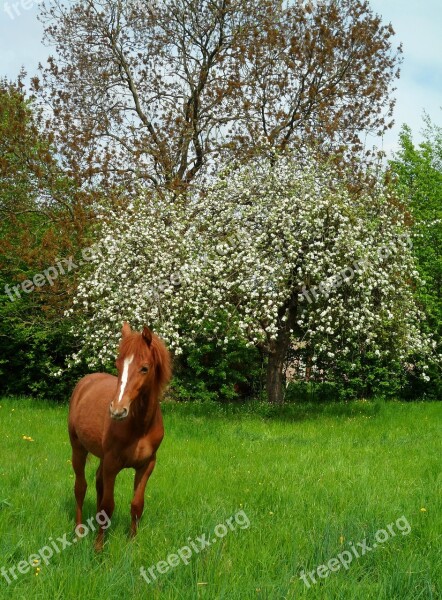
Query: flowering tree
<point>277,249</point>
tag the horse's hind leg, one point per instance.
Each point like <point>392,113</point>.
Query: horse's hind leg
<point>79,455</point>
<point>99,484</point>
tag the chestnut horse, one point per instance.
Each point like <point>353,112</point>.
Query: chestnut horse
<point>119,420</point>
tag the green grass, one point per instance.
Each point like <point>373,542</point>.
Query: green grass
<point>310,478</point>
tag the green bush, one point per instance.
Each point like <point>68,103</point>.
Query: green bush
<point>207,371</point>
<point>358,377</point>
<point>32,347</point>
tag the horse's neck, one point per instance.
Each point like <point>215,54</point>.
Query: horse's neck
<point>146,406</point>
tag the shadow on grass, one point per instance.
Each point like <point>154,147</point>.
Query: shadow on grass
<point>89,507</point>
<point>290,411</point>
<point>38,404</point>
<point>293,411</point>
<point>120,523</point>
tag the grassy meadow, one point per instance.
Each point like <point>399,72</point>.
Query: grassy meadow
<point>312,480</point>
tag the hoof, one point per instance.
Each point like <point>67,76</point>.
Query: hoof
<point>98,546</point>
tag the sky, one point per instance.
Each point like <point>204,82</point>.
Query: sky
<point>418,26</point>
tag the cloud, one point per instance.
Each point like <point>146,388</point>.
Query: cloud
<point>418,27</point>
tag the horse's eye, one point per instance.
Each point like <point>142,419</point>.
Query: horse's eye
<point>144,369</point>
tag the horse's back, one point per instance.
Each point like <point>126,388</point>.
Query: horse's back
<point>89,410</point>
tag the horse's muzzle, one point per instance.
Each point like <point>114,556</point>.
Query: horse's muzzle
<point>118,415</point>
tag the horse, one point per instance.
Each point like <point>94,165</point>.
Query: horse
<point>119,420</point>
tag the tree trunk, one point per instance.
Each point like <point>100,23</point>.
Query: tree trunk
<point>275,373</point>
<point>278,351</point>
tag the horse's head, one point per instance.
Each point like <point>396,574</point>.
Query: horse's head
<point>143,367</point>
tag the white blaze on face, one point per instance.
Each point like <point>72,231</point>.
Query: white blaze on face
<point>124,376</point>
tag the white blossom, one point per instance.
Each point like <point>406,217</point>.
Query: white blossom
<point>241,250</point>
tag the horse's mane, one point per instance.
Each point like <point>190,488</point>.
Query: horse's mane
<point>134,344</point>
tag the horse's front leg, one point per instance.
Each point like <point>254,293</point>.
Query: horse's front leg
<point>137,505</point>
<point>108,471</point>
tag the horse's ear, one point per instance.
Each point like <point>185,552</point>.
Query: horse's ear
<point>126,330</point>
<point>147,335</point>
